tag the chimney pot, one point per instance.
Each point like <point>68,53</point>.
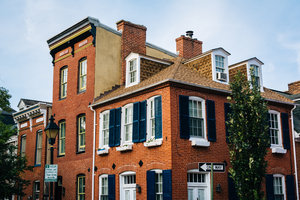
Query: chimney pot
<point>190,34</point>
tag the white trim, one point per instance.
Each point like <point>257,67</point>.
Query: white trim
<point>259,64</point>
<point>154,143</point>
<point>197,141</point>
<point>277,147</point>
<point>101,139</point>
<point>294,152</point>
<point>205,186</point>
<point>130,57</point>
<point>94,155</point>
<point>213,62</point>
<point>123,142</point>
<point>100,184</point>
<point>121,183</point>
<point>282,183</point>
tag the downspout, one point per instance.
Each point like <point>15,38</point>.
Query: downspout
<point>294,149</point>
<point>94,141</point>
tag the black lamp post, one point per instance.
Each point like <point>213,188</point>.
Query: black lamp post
<point>51,131</point>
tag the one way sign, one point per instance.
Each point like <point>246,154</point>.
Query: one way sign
<point>217,167</point>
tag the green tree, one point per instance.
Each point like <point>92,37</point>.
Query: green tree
<point>248,137</point>
<point>12,165</point>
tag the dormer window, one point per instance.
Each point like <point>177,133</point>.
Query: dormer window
<point>256,74</point>
<point>132,69</point>
<point>220,65</point>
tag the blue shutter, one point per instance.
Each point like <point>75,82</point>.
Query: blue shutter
<point>227,110</point>
<point>285,130</point>
<point>111,187</point>
<point>150,185</point>
<point>167,184</point>
<point>211,120</point>
<point>158,117</point>
<point>290,187</point>
<point>111,136</point>
<point>232,195</point>
<point>143,121</point>
<point>269,187</point>
<point>136,118</point>
<point>184,117</point>
<point>117,127</point>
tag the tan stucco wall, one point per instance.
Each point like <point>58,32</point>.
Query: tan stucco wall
<point>156,53</point>
<point>108,61</point>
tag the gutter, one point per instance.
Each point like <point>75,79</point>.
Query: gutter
<point>176,81</point>
<point>94,141</point>
<point>294,151</point>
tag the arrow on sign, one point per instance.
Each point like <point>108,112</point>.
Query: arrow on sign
<point>217,167</point>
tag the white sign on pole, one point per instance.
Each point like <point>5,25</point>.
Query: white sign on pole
<point>50,173</point>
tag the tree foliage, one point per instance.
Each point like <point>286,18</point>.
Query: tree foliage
<point>248,137</point>
<point>11,164</point>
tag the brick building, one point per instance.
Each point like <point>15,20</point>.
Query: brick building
<point>135,120</point>
<point>293,93</point>
<point>31,120</point>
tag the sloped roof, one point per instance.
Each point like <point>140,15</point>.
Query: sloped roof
<point>30,102</point>
<point>180,73</point>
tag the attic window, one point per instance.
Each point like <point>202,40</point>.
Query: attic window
<point>132,69</point>
<point>256,73</point>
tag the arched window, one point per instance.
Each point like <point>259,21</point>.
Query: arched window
<point>62,138</point>
<point>82,74</point>
<point>81,133</point>
<point>38,148</point>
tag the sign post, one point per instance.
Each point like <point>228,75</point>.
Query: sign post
<point>50,173</point>
<point>211,167</point>
<point>215,167</point>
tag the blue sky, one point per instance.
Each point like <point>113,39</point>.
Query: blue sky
<point>268,30</point>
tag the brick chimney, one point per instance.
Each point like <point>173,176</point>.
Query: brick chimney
<point>187,46</point>
<point>133,40</point>
<point>294,88</point>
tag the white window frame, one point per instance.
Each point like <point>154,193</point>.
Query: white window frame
<point>219,52</point>
<point>282,183</point>
<point>122,185</point>
<point>129,58</point>
<point>38,148</point>
<point>251,62</point>
<point>150,139</point>
<point>199,141</point>
<point>63,82</point>
<point>62,140</point>
<point>82,76</point>
<point>277,148</point>
<point>100,184</point>
<point>101,136</point>
<point>206,185</point>
<point>123,142</point>
<point>158,171</point>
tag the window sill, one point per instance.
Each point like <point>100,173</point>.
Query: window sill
<point>124,147</point>
<point>60,155</point>
<point>200,142</point>
<point>153,143</point>
<point>278,150</point>
<point>103,151</point>
<point>80,152</point>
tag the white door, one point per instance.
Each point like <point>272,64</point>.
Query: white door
<point>197,194</point>
<point>129,193</point>
<point>198,186</point>
<point>128,185</point>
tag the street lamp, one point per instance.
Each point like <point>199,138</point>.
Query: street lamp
<point>51,131</point>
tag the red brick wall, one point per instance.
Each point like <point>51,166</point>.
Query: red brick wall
<point>153,158</point>
<point>188,47</point>
<point>38,171</point>
<point>133,40</point>
<point>72,164</point>
<point>176,153</point>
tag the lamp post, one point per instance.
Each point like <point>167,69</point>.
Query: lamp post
<point>51,131</point>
